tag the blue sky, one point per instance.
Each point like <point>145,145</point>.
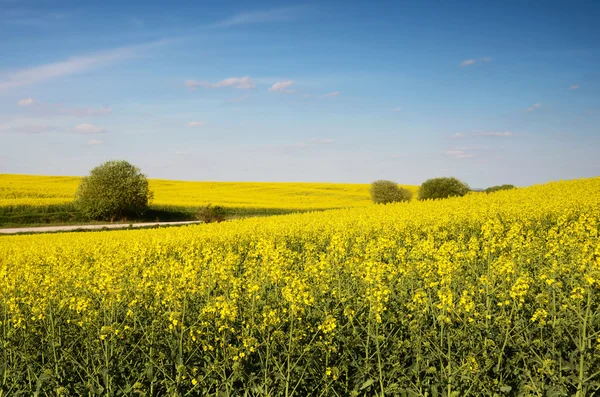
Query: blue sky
<point>491,92</point>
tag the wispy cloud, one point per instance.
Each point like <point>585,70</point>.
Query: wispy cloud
<point>254,17</point>
<point>87,128</point>
<point>574,87</point>
<point>461,135</point>
<point>282,87</point>
<point>243,83</point>
<point>396,109</point>
<point>95,142</point>
<point>73,65</point>
<point>332,94</point>
<point>535,106</point>
<point>27,127</point>
<point>51,110</point>
<point>85,112</point>
<point>467,152</point>
<point>26,102</point>
<point>469,62</point>
<point>195,123</point>
<point>459,154</point>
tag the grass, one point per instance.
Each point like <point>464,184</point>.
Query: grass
<point>67,214</point>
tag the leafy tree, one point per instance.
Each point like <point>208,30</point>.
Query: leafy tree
<point>383,192</point>
<point>498,188</point>
<point>440,188</point>
<point>113,190</point>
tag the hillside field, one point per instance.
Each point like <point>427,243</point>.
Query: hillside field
<point>489,295</point>
<point>30,199</point>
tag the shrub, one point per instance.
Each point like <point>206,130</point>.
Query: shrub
<point>498,188</point>
<point>211,213</point>
<point>113,190</point>
<point>440,188</point>
<point>383,192</point>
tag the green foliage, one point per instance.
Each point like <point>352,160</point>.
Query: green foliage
<point>384,192</point>
<point>211,213</point>
<point>113,190</point>
<point>498,188</point>
<point>440,188</point>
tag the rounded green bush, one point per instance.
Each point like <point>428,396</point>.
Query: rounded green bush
<point>113,190</point>
<point>210,213</point>
<point>383,192</point>
<point>440,188</point>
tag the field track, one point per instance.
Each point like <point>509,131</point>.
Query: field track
<point>47,229</point>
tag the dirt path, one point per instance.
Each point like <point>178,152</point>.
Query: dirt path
<point>45,229</point>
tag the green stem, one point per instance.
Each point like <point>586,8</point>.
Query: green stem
<point>289,369</point>
<point>379,360</point>
<point>449,364</point>
<point>582,344</point>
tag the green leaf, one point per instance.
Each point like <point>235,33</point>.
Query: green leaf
<point>367,384</point>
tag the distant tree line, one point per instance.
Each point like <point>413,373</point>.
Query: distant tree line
<point>118,190</point>
<point>385,192</point>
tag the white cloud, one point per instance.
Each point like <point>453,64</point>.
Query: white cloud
<point>396,109</point>
<point>85,112</point>
<point>243,83</point>
<point>73,65</point>
<point>244,18</point>
<point>193,84</point>
<point>95,142</point>
<point>469,152</point>
<point>332,94</point>
<point>283,87</point>
<point>534,107</point>
<point>236,82</point>
<point>469,62</point>
<point>26,102</point>
<point>574,87</point>
<point>459,154</point>
<point>87,128</point>
<point>195,123</point>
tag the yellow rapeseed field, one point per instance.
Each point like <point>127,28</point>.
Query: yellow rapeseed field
<point>40,191</point>
<point>485,295</point>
